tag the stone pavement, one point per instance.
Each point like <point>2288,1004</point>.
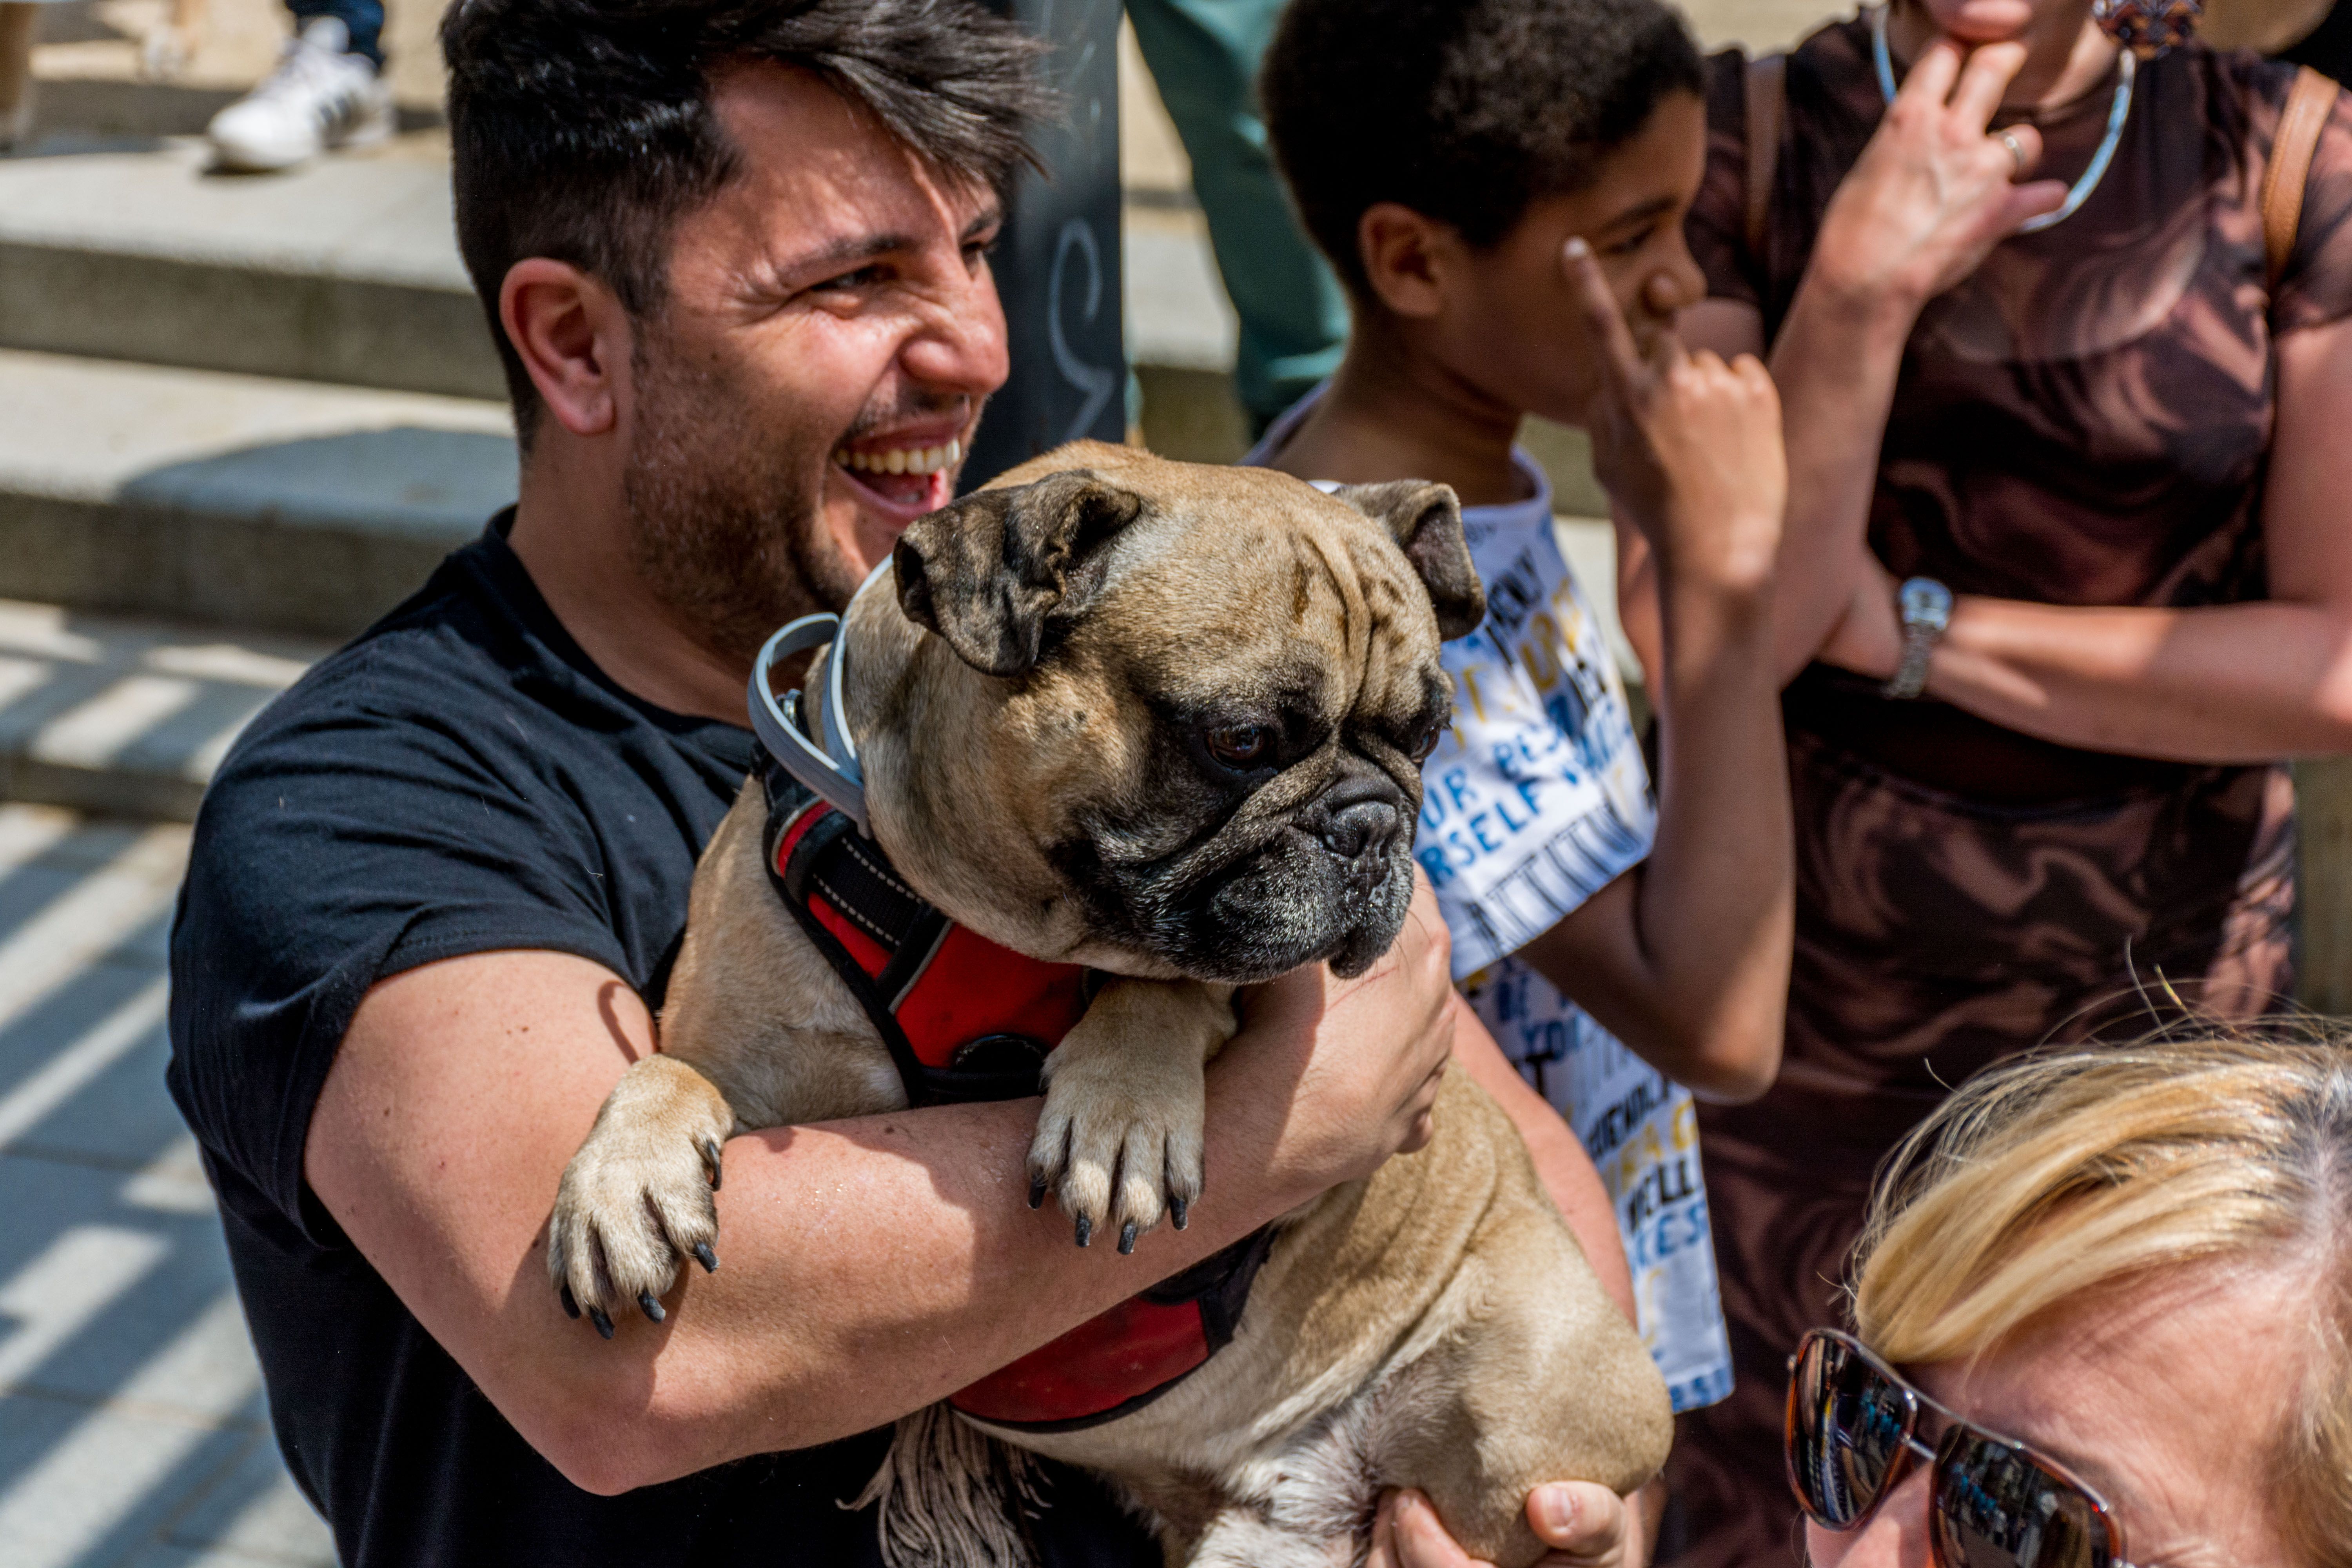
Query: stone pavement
<point>132,1431</point>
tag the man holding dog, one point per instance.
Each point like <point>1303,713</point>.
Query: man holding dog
<point>736,257</point>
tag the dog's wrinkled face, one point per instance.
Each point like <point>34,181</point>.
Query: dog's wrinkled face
<point>1204,696</point>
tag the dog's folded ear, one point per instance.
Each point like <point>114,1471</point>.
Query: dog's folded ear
<point>1425,520</point>
<point>994,571</point>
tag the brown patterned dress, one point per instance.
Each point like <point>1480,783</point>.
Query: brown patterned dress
<point>2085,421</point>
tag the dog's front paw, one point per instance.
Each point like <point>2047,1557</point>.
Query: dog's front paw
<point>1118,1143</point>
<point>635,1201</point>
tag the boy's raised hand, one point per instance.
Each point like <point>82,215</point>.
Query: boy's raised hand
<point>1688,447</point>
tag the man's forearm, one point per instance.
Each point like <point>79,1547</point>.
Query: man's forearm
<point>876,1265</point>
<point>868,1266</point>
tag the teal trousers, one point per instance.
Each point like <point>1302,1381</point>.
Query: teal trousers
<point>1204,56</point>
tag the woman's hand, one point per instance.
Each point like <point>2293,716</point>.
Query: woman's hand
<point>1933,193</point>
<point>1688,447</point>
<point>1586,1526</point>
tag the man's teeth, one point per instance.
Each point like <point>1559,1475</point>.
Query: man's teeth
<point>901,459</point>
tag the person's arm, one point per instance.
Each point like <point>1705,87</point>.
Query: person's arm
<point>1686,957</point>
<point>1927,202</point>
<point>2227,683</point>
<point>870,1267</point>
<point>1561,1164</point>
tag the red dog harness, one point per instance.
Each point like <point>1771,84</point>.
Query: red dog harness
<point>967,1020</point>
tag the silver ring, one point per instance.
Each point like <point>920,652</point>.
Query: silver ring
<point>2016,152</point>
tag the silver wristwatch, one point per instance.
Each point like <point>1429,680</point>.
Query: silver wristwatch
<point>1926,606</point>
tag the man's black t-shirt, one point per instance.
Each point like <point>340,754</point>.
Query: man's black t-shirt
<point>459,780</point>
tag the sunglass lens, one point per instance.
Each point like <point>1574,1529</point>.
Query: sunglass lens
<point>1846,1428</point>
<point>1996,1508</point>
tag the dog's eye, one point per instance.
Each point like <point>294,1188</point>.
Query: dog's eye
<point>1241,745</point>
<point>1423,741</point>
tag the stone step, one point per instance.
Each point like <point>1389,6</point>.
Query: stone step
<point>345,271</point>
<point>128,717</point>
<point>233,500</point>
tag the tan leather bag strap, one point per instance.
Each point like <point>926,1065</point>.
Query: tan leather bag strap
<point>2308,104</point>
<point>1767,79</point>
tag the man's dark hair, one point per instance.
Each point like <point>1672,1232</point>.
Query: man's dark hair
<point>581,130</point>
<point>1464,110</point>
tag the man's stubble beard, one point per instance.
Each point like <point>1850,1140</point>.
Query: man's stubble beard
<point>725,524</point>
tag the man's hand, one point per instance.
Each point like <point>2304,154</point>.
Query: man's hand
<point>1586,1526</point>
<point>1687,446</point>
<point>1351,1064</point>
<point>1933,193</point>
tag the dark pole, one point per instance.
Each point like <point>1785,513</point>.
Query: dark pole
<point>1057,265</point>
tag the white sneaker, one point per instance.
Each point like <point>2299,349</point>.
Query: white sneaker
<point>320,96</point>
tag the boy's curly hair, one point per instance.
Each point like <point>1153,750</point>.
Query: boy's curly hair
<point>1464,110</point>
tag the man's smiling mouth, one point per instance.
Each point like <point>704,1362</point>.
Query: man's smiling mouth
<point>907,479</point>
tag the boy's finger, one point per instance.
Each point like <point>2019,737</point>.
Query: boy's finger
<point>1620,357</point>
<point>1986,78</point>
<point>1708,362</point>
<point>1757,380</point>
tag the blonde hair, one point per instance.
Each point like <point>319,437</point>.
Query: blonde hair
<point>2068,1171</point>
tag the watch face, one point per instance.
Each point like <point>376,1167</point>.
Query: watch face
<point>1926,603</point>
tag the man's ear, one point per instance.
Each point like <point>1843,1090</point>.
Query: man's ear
<point>994,571</point>
<point>573,337</point>
<point>1425,520</point>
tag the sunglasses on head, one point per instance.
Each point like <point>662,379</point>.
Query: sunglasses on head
<point>1853,1433</point>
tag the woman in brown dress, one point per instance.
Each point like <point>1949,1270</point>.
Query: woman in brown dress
<point>2127,452</point>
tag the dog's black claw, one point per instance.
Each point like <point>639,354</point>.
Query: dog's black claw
<point>1086,1230</point>
<point>1126,1237</point>
<point>571,1303</point>
<point>710,1157</point>
<point>603,1324</point>
<point>653,1309</point>
<point>707,1259</point>
<point>1178,1213</point>
<point>1037,1192</point>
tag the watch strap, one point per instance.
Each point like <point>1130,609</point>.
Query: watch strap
<point>1926,608</point>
